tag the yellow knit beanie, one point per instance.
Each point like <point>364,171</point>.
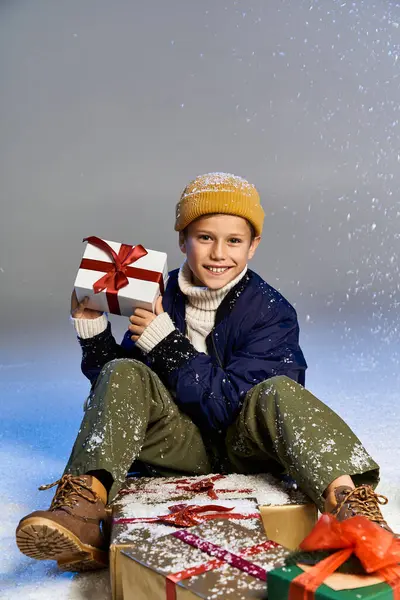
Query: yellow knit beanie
<point>219,193</point>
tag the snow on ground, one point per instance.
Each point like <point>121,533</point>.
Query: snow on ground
<point>42,394</point>
<point>42,408</point>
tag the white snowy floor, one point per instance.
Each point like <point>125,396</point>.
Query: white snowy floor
<point>42,392</point>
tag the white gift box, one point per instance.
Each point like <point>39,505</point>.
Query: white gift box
<point>138,293</point>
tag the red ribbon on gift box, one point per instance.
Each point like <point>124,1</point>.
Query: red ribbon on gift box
<point>222,556</point>
<point>184,515</point>
<point>118,271</point>
<point>206,484</point>
<point>377,549</point>
<point>203,485</point>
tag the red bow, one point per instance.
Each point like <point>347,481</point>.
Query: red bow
<point>116,278</point>
<point>203,485</point>
<point>187,515</point>
<point>118,270</point>
<point>377,549</point>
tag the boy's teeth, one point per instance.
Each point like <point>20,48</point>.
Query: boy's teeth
<point>217,269</point>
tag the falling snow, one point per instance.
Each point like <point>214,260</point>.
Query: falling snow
<point>306,95</point>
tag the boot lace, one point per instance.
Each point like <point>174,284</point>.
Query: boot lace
<point>364,501</point>
<point>70,488</point>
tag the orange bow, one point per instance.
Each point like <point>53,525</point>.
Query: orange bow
<point>377,549</point>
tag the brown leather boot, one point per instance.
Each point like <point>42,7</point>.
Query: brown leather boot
<point>75,529</point>
<point>344,502</point>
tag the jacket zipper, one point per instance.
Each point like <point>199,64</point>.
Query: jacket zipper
<point>215,349</point>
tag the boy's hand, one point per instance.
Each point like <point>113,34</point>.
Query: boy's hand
<point>79,310</point>
<point>141,318</point>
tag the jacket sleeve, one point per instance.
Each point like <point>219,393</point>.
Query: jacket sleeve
<point>100,349</point>
<point>211,395</point>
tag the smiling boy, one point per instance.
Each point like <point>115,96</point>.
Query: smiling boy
<point>213,381</point>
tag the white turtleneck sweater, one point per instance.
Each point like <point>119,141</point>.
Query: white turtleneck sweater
<point>201,308</point>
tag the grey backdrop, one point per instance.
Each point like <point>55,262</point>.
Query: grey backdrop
<point>108,108</point>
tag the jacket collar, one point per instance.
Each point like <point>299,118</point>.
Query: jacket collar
<point>231,298</point>
<point>226,306</point>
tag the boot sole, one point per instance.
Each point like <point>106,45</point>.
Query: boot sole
<point>43,539</point>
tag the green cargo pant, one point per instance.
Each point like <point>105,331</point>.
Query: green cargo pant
<point>130,414</point>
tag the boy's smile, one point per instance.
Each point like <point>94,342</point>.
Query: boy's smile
<point>218,248</point>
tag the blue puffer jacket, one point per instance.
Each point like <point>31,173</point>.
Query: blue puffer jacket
<point>255,337</point>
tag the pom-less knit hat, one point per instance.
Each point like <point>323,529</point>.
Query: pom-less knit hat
<point>219,193</point>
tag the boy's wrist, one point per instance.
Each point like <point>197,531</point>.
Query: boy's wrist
<point>155,332</point>
<point>172,353</point>
<point>88,328</point>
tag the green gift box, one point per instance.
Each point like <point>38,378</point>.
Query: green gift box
<point>353,559</point>
<point>279,582</point>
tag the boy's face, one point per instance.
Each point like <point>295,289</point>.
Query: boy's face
<point>218,248</point>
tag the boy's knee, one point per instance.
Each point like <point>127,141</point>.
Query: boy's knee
<point>275,383</point>
<point>122,366</point>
